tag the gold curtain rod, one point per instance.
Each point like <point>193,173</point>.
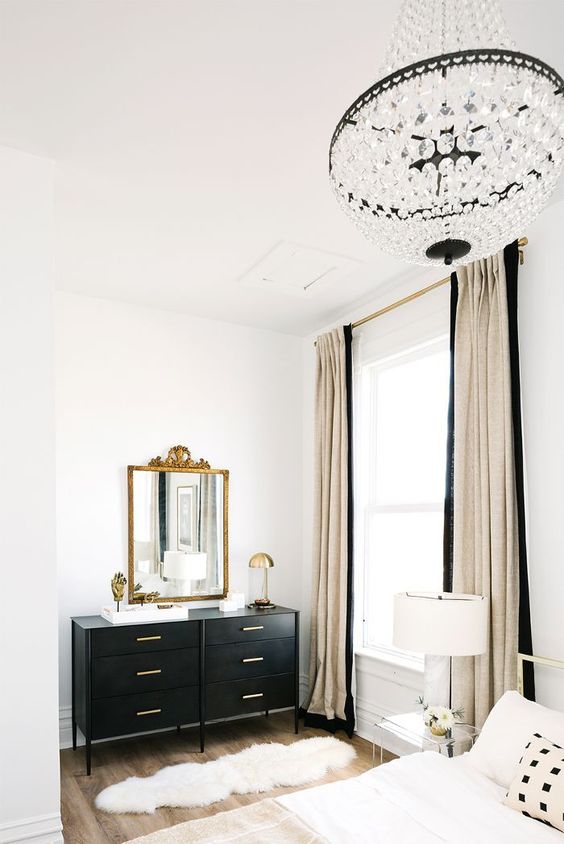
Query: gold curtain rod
<point>522,242</point>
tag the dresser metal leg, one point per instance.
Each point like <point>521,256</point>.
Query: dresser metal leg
<point>88,757</point>
<point>74,735</point>
<point>178,728</point>
<point>266,712</point>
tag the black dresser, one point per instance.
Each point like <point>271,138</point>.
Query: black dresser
<point>143,677</point>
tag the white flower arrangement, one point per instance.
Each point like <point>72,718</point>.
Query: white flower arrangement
<point>440,719</point>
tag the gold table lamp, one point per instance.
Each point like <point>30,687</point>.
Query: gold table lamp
<point>262,561</point>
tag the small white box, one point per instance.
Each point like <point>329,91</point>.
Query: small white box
<point>238,598</point>
<point>227,606</point>
<point>137,614</point>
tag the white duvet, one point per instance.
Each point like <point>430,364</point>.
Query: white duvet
<point>420,799</point>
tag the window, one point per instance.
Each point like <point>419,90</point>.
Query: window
<point>400,466</point>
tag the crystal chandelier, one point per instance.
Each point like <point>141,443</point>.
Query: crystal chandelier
<point>459,144</point>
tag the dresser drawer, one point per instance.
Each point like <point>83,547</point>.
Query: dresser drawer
<point>249,659</point>
<point>249,629</point>
<point>247,696</point>
<point>118,716</point>
<point>141,638</point>
<point>132,673</point>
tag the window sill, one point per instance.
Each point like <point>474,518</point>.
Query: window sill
<point>393,660</point>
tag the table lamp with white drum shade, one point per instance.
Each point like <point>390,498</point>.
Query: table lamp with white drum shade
<point>184,565</point>
<point>440,625</point>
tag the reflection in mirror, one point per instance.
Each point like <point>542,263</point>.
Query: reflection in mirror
<point>178,533</point>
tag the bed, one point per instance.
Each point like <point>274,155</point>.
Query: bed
<point>424,798</point>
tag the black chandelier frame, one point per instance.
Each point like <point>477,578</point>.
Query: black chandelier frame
<point>510,58</point>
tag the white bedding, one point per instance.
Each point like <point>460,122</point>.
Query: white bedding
<point>424,798</point>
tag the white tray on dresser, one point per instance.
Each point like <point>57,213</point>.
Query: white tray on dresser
<point>137,614</point>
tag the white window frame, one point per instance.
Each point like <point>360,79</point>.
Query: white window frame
<point>365,487</point>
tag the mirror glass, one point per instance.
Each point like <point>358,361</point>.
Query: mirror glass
<point>178,533</point>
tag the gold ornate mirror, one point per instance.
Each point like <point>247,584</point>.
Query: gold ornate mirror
<point>178,529</point>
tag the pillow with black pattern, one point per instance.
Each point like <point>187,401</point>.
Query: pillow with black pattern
<point>537,789</point>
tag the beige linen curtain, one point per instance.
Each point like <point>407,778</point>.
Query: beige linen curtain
<point>329,692</point>
<point>486,549</point>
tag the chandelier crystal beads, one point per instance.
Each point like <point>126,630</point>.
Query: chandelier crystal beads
<point>458,147</point>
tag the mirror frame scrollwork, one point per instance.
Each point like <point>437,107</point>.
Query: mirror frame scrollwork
<point>179,459</point>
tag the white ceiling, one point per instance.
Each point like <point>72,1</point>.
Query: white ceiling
<point>191,137</point>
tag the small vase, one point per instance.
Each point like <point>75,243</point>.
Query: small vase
<point>437,730</point>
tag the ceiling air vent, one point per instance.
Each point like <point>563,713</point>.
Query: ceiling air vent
<point>298,270</point>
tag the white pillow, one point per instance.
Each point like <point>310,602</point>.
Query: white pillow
<point>508,728</point>
<point>538,788</point>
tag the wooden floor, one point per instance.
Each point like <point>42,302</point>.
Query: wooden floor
<point>113,761</point>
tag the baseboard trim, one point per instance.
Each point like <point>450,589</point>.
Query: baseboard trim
<point>42,829</point>
<point>65,727</point>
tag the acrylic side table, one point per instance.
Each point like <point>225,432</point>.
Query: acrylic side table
<point>408,729</point>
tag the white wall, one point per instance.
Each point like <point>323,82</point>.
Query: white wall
<point>29,765</point>
<point>133,381</point>
<point>541,318</point>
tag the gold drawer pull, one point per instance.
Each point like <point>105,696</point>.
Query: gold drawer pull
<point>145,673</point>
<point>148,638</point>
<point>253,659</point>
<point>248,697</point>
<point>258,627</point>
<point>149,712</point>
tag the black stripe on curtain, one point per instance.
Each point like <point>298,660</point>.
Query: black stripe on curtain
<point>511,259</point>
<point>313,719</point>
<point>448,532</point>
<point>349,705</point>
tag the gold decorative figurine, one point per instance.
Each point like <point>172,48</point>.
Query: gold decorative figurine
<point>118,587</point>
<point>144,597</point>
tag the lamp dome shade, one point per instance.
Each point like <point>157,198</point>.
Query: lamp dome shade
<point>261,561</point>
<point>441,623</point>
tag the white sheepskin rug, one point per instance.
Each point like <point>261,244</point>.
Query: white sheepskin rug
<point>259,768</point>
